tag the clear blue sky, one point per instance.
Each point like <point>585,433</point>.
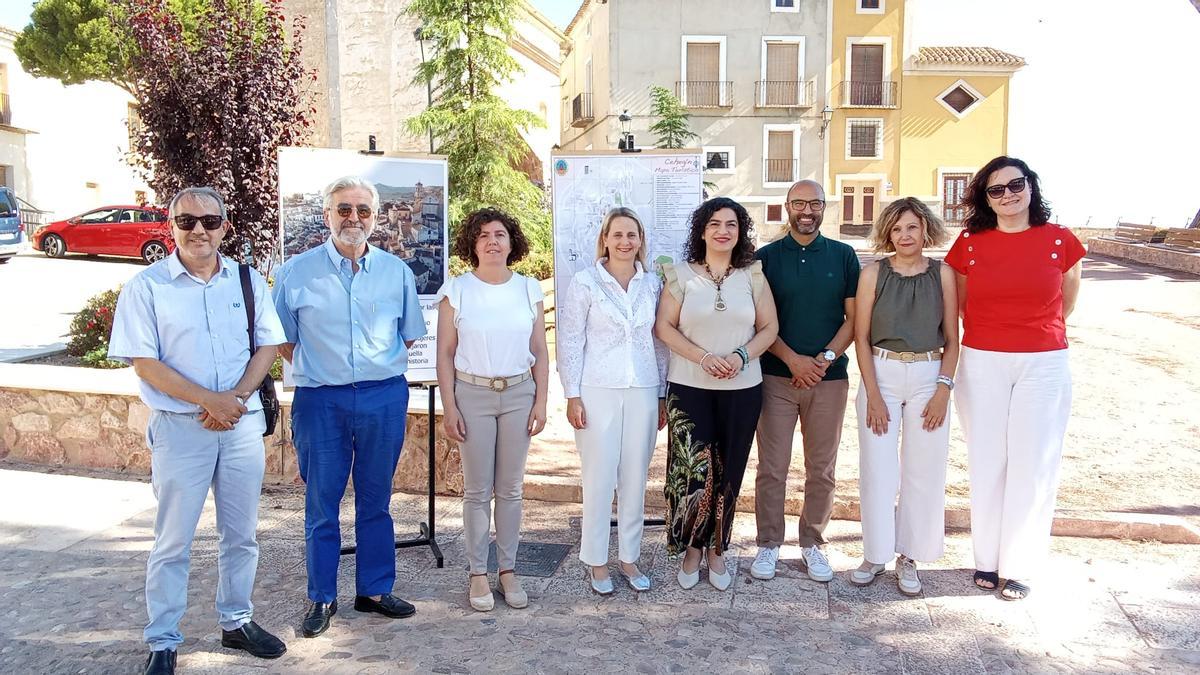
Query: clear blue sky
<point>558,11</point>
<point>14,14</point>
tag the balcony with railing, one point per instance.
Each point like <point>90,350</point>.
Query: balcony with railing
<point>705,93</point>
<point>780,170</point>
<point>783,94</point>
<point>581,110</point>
<point>874,94</point>
<point>5,110</point>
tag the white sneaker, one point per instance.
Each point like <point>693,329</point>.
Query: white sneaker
<point>906,576</point>
<point>764,563</point>
<point>817,564</point>
<point>866,573</point>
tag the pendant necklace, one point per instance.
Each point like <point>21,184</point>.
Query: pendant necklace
<point>719,305</point>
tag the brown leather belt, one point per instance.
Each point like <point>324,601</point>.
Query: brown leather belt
<point>906,357</point>
<point>496,384</point>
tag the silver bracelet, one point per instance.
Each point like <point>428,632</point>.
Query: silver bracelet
<point>945,379</point>
<point>706,355</point>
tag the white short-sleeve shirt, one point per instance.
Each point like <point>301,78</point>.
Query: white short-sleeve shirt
<point>494,322</point>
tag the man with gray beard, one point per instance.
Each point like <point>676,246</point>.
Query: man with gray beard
<point>814,281</point>
<point>350,314</point>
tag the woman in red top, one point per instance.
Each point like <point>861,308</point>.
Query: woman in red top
<point>1018,277</point>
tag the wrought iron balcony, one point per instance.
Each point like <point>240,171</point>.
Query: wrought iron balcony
<point>581,110</point>
<point>783,94</point>
<point>705,93</point>
<point>780,170</point>
<point>875,94</point>
<point>5,110</point>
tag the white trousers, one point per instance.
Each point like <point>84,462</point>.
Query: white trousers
<point>1014,409</point>
<point>614,453</point>
<point>914,525</point>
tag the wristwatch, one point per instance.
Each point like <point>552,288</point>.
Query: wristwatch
<point>829,355</point>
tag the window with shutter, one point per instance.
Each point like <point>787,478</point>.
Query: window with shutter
<point>774,213</point>
<point>866,75</point>
<point>783,65</point>
<point>703,74</point>
<point>780,163</point>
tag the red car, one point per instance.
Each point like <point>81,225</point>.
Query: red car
<point>131,231</point>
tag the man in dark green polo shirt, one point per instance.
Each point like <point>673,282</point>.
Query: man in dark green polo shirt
<point>814,280</point>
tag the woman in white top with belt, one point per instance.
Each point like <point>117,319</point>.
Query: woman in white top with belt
<point>492,368</point>
<point>614,375</point>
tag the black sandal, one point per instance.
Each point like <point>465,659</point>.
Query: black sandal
<point>981,578</point>
<point>1014,590</point>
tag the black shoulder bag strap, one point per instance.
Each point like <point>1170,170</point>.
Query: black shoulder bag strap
<point>266,390</point>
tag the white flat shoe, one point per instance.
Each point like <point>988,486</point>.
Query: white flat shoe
<point>721,582</point>
<point>599,586</point>
<point>688,580</point>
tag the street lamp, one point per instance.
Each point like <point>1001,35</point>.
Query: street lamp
<point>826,118</point>
<point>626,143</point>
<point>419,36</point>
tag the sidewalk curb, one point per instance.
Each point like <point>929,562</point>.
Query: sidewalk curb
<point>1166,529</point>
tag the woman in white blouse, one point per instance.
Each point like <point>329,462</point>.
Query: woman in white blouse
<point>492,366</point>
<point>614,375</point>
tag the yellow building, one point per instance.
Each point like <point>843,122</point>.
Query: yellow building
<point>907,120</point>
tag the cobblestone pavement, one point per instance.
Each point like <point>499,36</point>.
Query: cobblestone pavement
<point>1101,606</point>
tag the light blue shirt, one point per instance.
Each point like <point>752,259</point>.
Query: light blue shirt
<point>196,328</point>
<point>347,327</point>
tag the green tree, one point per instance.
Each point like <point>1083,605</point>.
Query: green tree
<point>672,125</point>
<point>473,126</point>
<point>76,41</point>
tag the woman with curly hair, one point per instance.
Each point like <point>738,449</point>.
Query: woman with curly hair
<point>1018,278</point>
<point>492,366</point>
<point>717,316</point>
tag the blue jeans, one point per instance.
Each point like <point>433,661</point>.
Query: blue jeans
<point>342,431</point>
<point>185,460</point>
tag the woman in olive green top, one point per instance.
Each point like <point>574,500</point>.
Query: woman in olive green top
<point>906,340</point>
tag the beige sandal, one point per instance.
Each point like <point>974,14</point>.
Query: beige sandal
<point>516,598</point>
<point>481,603</point>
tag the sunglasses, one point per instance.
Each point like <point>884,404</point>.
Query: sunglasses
<point>187,222</point>
<point>814,205</point>
<point>1015,186</point>
<point>363,211</point>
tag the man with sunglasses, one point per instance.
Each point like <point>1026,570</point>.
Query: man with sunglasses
<point>350,312</point>
<point>181,323</point>
<point>814,281</point>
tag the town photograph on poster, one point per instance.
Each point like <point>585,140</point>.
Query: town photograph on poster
<point>410,222</point>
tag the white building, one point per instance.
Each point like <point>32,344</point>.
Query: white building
<point>63,148</point>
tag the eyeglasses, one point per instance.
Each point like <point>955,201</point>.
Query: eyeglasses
<point>344,210</point>
<point>187,222</point>
<point>813,205</point>
<point>1015,186</point>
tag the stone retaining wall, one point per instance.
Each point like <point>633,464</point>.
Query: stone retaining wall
<point>108,431</point>
<point>1180,261</point>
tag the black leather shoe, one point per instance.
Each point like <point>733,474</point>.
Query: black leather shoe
<point>161,663</point>
<point>317,619</point>
<point>387,605</point>
<point>252,638</point>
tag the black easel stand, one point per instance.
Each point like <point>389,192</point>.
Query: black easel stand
<point>646,522</point>
<point>428,535</point>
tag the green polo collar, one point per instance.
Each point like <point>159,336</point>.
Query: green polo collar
<point>790,243</point>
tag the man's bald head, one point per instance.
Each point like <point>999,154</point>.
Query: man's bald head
<point>802,197</point>
<point>806,186</point>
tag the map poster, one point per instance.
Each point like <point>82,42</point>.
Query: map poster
<point>662,186</point>
<point>410,224</point>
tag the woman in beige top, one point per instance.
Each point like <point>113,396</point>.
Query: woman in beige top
<point>717,317</point>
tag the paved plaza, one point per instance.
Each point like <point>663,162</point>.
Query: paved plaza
<point>72,602</point>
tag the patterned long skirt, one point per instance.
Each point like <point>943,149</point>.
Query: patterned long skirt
<point>710,432</point>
